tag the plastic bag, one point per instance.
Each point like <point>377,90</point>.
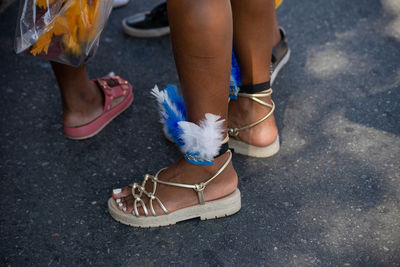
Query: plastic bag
<point>66,31</point>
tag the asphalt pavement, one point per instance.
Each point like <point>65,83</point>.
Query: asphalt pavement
<point>331,197</point>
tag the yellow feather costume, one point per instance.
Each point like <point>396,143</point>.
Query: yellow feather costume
<point>77,24</point>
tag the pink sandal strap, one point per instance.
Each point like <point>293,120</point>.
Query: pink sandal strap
<point>113,87</point>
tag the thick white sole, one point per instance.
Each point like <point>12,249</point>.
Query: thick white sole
<point>240,147</point>
<point>283,62</point>
<point>142,33</point>
<point>210,210</point>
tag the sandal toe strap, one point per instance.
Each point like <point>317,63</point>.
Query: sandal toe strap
<point>139,190</point>
<point>151,195</point>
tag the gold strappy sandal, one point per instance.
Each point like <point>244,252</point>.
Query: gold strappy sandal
<point>222,207</point>
<point>240,147</point>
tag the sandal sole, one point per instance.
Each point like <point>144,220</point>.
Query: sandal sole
<point>242,148</point>
<point>278,68</point>
<point>219,208</point>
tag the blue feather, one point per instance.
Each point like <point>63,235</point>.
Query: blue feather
<point>172,116</point>
<point>235,80</point>
<point>177,99</point>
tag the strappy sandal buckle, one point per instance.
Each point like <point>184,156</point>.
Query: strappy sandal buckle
<point>234,132</point>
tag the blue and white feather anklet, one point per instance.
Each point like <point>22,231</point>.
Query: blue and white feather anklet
<point>235,80</point>
<point>201,143</point>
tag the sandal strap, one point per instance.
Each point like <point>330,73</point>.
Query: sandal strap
<point>234,132</point>
<point>255,88</point>
<point>199,188</point>
<point>222,150</point>
<point>113,87</point>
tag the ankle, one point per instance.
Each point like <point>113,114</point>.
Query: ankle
<point>84,100</point>
<point>248,107</point>
<point>83,107</point>
<point>244,111</point>
<point>225,183</point>
<point>218,163</point>
<point>92,96</point>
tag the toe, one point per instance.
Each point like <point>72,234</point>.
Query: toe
<point>127,199</point>
<point>128,208</point>
<point>120,205</point>
<point>119,193</point>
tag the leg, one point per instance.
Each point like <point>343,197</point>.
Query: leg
<point>201,33</point>
<point>202,41</point>
<point>253,25</point>
<point>276,35</point>
<point>81,98</point>
<point>280,51</point>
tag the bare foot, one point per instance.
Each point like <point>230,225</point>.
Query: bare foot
<point>174,198</point>
<point>244,111</point>
<point>88,107</point>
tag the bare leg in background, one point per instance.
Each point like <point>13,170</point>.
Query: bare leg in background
<point>253,29</point>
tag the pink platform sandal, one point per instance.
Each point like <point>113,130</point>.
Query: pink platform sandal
<point>113,87</point>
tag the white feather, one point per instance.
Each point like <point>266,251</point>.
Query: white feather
<point>158,94</point>
<point>161,97</point>
<point>204,139</point>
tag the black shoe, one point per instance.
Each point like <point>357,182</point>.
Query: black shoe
<point>280,55</point>
<point>149,24</point>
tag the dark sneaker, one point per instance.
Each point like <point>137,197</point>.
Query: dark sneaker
<point>280,55</point>
<point>148,24</point>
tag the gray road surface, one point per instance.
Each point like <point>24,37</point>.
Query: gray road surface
<point>331,197</point>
